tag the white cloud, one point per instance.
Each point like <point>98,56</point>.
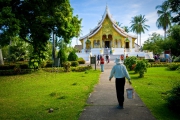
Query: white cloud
<point>152,18</point>
<point>135,6</point>
<point>161,32</point>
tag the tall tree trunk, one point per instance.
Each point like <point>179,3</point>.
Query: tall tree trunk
<point>1,58</point>
<point>140,39</point>
<point>164,34</point>
<point>137,39</point>
<point>53,50</point>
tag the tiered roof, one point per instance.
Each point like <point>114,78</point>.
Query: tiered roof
<point>115,26</point>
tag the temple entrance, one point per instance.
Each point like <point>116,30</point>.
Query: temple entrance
<point>127,44</point>
<point>107,44</point>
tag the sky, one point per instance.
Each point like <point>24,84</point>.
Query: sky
<point>122,11</point>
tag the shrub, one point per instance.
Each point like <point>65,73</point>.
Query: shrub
<point>72,56</point>
<point>17,69</point>
<point>159,64</point>
<point>7,67</point>
<point>177,59</point>
<point>49,64</point>
<point>54,69</point>
<point>173,66</point>
<point>33,63</point>
<point>24,66</point>
<point>130,61</point>
<point>80,58</point>
<point>81,61</point>
<point>150,60</point>
<point>62,56</point>
<point>133,66</point>
<point>141,68</point>
<point>81,68</point>
<point>74,63</point>
<point>173,98</point>
<point>178,68</point>
<point>43,64</point>
<point>67,66</point>
<point>14,72</point>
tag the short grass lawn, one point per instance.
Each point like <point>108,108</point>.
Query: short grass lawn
<point>153,88</point>
<point>31,96</point>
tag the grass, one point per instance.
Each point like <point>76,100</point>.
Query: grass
<point>152,89</point>
<point>29,97</point>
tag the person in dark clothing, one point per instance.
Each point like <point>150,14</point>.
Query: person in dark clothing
<point>120,72</point>
<point>98,59</point>
<point>107,58</point>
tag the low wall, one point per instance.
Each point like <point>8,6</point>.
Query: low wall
<point>116,53</point>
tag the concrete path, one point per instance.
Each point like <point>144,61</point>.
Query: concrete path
<point>103,102</point>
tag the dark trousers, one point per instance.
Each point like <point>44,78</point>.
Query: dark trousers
<point>120,82</point>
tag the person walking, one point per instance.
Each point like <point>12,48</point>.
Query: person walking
<point>102,63</point>
<point>107,57</point>
<point>98,59</point>
<point>120,72</point>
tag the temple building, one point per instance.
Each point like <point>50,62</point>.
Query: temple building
<point>108,38</point>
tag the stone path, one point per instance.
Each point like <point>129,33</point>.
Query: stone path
<point>103,102</point>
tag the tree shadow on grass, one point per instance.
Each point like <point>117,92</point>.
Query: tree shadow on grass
<point>134,76</point>
<point>163,112</point>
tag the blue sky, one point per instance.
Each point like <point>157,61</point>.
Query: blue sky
<point>122,11</point>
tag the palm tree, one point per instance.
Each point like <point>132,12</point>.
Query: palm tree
<point>134,26</point>
<point>164,16</point>
<point>126,28</point>
<point>141,25</point>
<point>138,25</point>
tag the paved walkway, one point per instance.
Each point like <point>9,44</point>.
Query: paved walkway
<point>103,102</point>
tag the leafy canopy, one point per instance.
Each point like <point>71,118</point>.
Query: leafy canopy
<point>34,20</point>
<point>154,43</point>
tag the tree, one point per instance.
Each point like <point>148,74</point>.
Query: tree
<point>17,50</point>
<point>119,24</point>
<point>141,68</point>
<point>142,26</point>
<point>72,56</point>
<point>33,21</point>
<point>134,25</point>
<point>138,25</point>
<point>173,38</point>
<point>62,55</point>
<point>174,6</point>
<point>130,61</point>
<point>126,28</point>
<point>154,43</point>
<point>164,16</point>
<point>1,58</point>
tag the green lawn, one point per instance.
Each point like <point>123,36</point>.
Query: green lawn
<point>153,88</point>
<point>29,97</point>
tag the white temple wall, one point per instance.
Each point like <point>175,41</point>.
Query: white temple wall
<point>85,56</point>
<point>96,51</point>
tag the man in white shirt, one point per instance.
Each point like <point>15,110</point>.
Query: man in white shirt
<point>120,72</point>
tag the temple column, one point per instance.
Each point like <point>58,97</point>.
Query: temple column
<point>112,42</point>
<point>123,42</point>
<point>92,42</point>
<point>101,38</point>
